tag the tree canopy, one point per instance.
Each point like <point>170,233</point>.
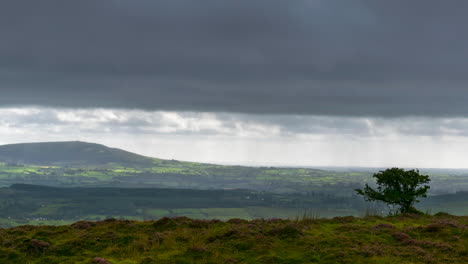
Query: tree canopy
<point>397,187</point>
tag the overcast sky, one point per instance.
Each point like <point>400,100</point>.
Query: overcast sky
<point>303,82</point>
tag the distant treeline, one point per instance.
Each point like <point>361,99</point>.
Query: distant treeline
<point>22,201</point>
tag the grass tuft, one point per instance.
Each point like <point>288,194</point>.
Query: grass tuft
<point>372,239</point>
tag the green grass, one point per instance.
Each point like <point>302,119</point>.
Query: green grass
<point>247,213</point>
<point>402,239</point>
<point>156,212</point>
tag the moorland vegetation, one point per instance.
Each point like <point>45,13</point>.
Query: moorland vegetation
<point>378,240</point>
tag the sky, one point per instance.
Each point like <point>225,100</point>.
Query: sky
<point>371,83</point>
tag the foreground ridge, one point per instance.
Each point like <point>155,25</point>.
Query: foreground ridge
<point>401,239</point>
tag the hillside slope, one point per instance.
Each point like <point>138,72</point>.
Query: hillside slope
<point>68,154</point>
<point>404,239</point>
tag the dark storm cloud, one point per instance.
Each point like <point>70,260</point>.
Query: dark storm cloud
<point>323,57</point>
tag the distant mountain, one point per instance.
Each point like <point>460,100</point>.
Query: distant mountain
<point>68,153</point>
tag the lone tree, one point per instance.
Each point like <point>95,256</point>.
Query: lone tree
<point>397,187</point>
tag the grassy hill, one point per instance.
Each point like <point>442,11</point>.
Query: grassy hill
<point>68,154</point>
<point>377,240</point>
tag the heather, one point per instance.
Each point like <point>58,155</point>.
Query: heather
<point>414,238</point>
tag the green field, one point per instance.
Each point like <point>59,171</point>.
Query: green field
<point>176,174</point>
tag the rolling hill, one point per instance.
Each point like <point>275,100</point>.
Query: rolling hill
<point>88,164</point>
<point>75,164</point>
<point>68,154</point>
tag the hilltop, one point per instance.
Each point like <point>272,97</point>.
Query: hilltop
<point>378,240</point>
<point>70,153</point>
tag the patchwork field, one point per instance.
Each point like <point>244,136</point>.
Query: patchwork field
<point>176,174</point>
